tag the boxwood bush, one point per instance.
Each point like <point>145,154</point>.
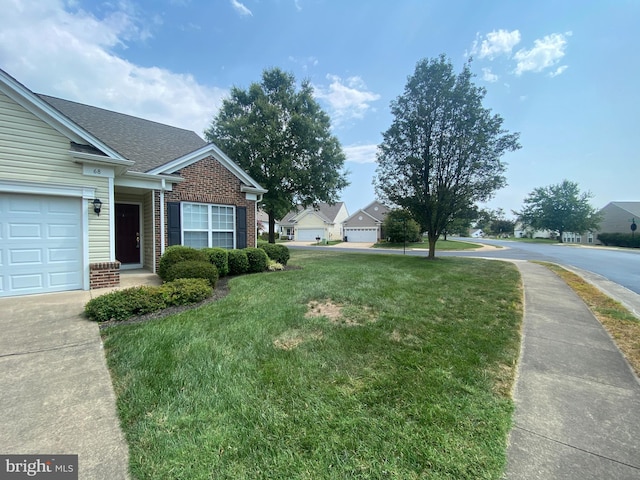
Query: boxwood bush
<point>220,258</point>
<point>124,304</point>
<point>192,269</point>
<point>176,254</point>
<point>276,251</point>
<point>238,262</point>
<point>258,259</point>
<point>185,291</point>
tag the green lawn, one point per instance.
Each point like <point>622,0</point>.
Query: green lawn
<point>440,245</point>
<point>354,366</point>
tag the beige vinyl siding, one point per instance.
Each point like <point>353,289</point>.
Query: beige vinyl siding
<point>32,151</point>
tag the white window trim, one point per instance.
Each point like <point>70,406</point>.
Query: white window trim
<point>209,230</point>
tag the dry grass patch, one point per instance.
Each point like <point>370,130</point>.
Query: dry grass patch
<point>338,314</point>
<point>293,338</point>
<point>621,324</point>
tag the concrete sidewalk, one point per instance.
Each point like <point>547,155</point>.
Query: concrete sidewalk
<point>577,399</point>
<point>56,395</point>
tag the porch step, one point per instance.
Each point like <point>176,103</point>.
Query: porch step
<point>135,278</point>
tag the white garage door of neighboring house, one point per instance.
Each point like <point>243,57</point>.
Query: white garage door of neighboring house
<point>40,244</point>
<point>369,235</point>
<point>309,234</point>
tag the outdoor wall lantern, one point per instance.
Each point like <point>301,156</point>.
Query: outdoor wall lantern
<point>97,205</point>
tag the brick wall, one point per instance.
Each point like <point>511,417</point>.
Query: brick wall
<point>104,274</point>
<point>207,181</point>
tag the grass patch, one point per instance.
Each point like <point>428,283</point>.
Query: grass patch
<point>621,324</point>
<point>354,366</point>
<point>441,245</point>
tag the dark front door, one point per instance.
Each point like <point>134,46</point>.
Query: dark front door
<point>127,233</point>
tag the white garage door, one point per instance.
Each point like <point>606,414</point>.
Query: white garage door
<point>309,234</point>
<point>40,244</point>
<point>369,235</point>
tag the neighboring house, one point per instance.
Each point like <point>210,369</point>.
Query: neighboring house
<point>365,225</point>
<point>263,222</point>
<point>617,217</point>
<point>476,233</point>
<point>308,224</point>
<point>521,231</point>
<point>86,191</point>
<point>586,238</point>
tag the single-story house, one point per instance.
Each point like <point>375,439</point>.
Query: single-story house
<point>617,217</point>
<point>365,225</point>
<point>85,192</point>
<point>308,224</point>
<point>476,233</point>
<point>263,223</point>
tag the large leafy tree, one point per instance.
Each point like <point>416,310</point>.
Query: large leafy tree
<point>561,207</point>
<point>443,150</point>
<point>282,138</point>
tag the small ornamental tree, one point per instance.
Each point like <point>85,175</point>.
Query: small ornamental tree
<point>443,150</point>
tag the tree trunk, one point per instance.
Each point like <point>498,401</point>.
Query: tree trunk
<point>272,227</point>
<point>432,247</point>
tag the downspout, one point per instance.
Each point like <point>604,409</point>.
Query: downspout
<point>255,217</point>
<point>162,226</point>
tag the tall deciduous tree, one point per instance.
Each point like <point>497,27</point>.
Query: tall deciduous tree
<point>282,138</point>
<point>442,152</point>
<point>561,207</point>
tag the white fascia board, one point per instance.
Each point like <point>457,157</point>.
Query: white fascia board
<point>206,151</point>
<point>100,159</point>
<point>146,181</point>
<point>45,112</point>
<point>258,191</point>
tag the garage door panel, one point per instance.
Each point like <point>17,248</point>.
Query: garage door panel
<point>20,231</point>
<point>67,255</point>
<point>41,244</point>
<point>31,256</point>
<point>20,283</point>
<point>309,235</point>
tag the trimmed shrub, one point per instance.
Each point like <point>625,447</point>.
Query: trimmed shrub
<point>176,254</point>
<point>276,251</point>
<point>265,236</point>
<point>193,269</point>
<point>258,259</point>
<point>220,258</point>
<point>123,304</point>
<point>629,240</point>
<point>184,291</point>
<point>238,262</point>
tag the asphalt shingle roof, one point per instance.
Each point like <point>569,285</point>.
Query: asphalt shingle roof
<point>149,144</point>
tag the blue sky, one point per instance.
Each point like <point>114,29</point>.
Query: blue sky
<point>565,74</point>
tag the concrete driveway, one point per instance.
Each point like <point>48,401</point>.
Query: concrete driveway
<point>56,395</point>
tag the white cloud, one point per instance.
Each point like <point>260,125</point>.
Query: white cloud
<point>546,52</point>
<point>489,76</point>
<point>347,98</point>
<point>558,71</point>
<point>498,42</point>
<point>70,54</point>
<point>240,8</point>
<point>361,153</point>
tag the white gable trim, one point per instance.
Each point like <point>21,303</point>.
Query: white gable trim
<point>361,212</point>
<point>204,152</point>
<point>45,112</point>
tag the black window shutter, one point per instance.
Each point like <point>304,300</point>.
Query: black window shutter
<point>241,227</point>
<point>173,223</point>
